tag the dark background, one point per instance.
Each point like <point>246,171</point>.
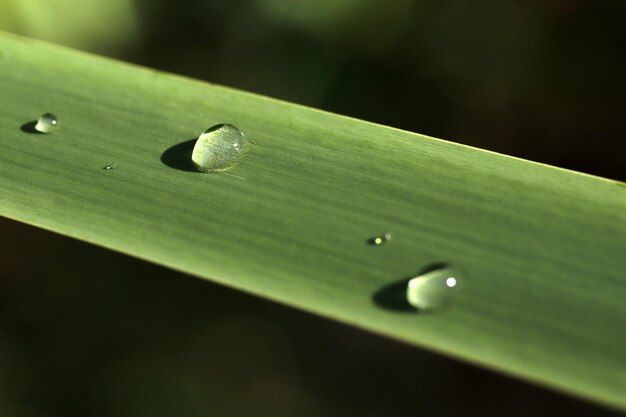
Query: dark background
<point>87,332</point>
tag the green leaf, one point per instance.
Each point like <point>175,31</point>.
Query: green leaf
<point>540,250</point>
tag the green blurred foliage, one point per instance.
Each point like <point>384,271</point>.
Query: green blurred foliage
<point>369,24</point>
<point>87,332</point>
<point>96,25</point>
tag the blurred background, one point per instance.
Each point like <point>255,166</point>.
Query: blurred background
<point>87,332</point>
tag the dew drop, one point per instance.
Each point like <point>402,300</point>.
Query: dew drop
<point>110,167</point>
<point>46,123</point>
<point>219,148</point>
<point>433,290</point>
<point>379,240</point>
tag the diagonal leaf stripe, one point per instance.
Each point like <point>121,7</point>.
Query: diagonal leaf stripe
<point>541,250</point>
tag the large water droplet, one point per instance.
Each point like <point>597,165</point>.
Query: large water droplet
<point>218,148</point>
<point>110,166</point>
<point>46,123</point>
<point>433,290</point>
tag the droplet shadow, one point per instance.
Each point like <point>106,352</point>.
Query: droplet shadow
<point>179,156</point>
<point>29,127</point>
<point>393,296</point>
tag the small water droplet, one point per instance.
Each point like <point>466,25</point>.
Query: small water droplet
<point>379,240</point>
<point>433,290</point>
<point>218,148</point>
<point>110,167</point>
<point>46,123</point>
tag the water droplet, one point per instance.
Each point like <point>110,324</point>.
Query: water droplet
<point>218,148</point>
<point>253,142</point>
<point>379,240</point>
<point>110,166</point>
<point>433,290</point>
<point>46,123</point>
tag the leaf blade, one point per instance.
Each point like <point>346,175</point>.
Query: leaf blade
<point>541,248</point>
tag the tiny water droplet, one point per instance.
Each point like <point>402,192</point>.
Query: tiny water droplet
<point>218,148</point>
<point>110,167</point>
<point>46,123</point>
<point>379,240</point>
<point>433,290</point>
